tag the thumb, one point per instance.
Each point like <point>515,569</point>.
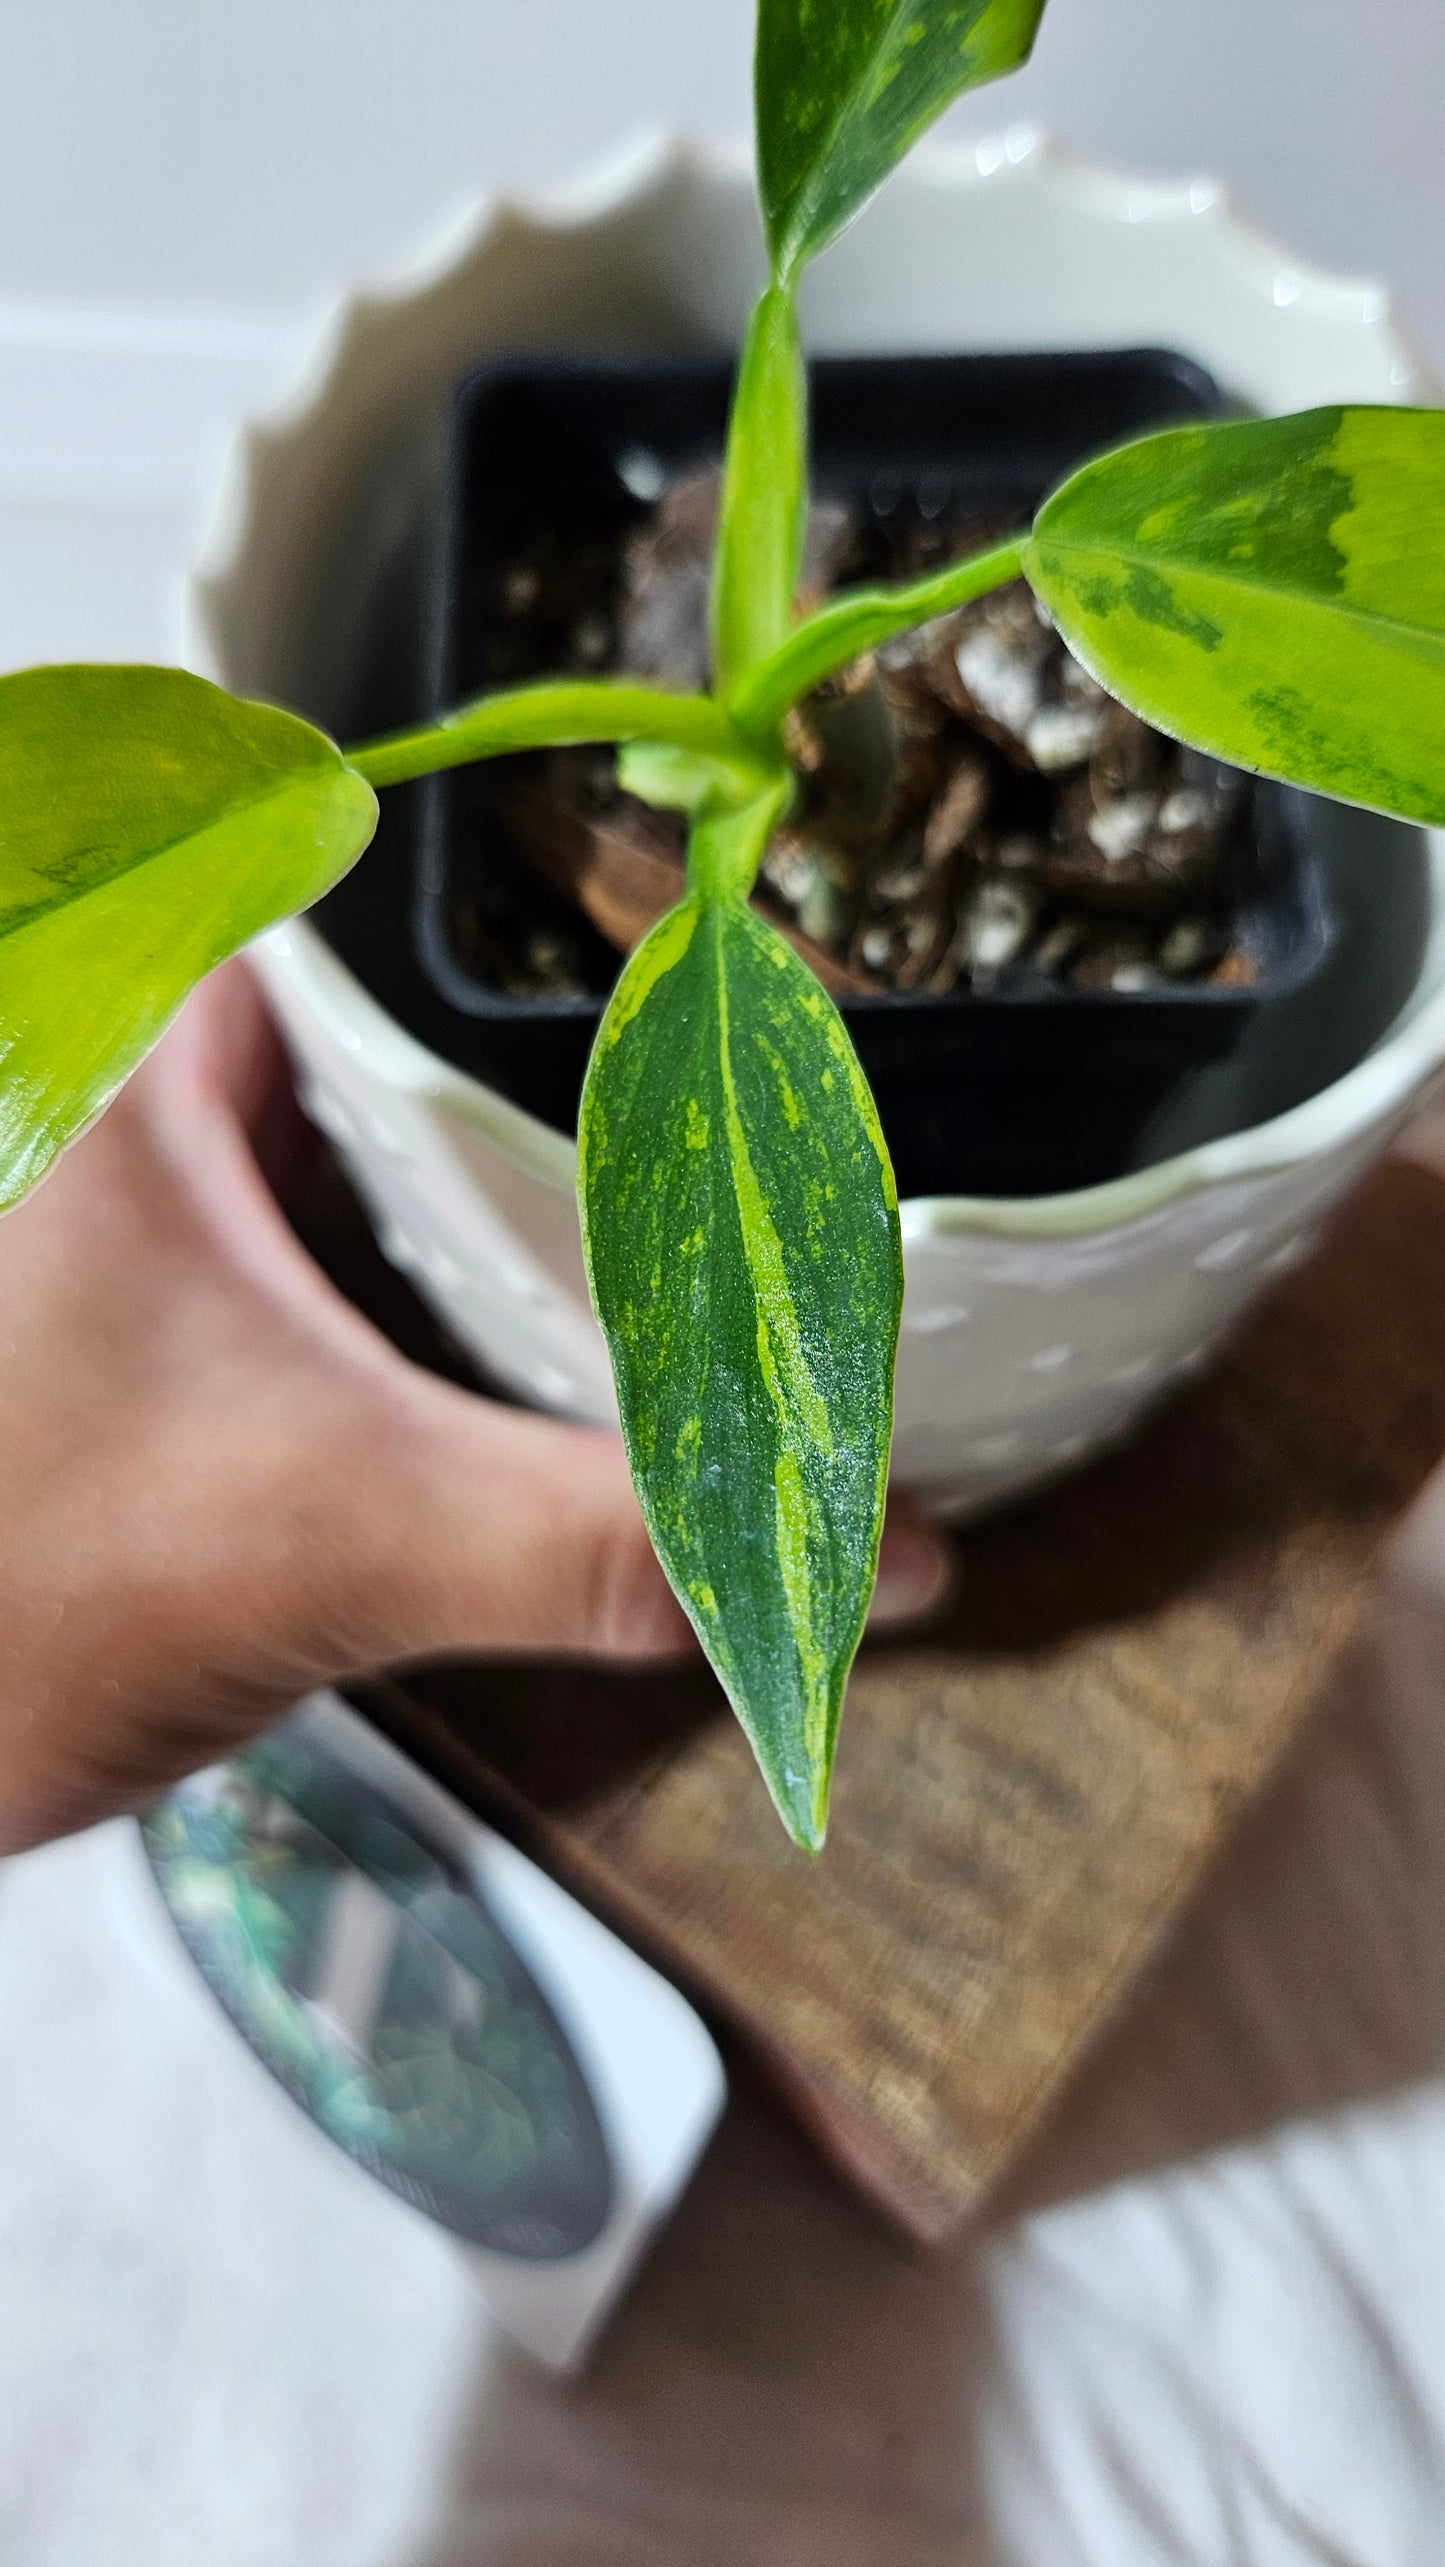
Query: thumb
<point>485,1529</point>
<point>465,1526</point>
<point>917,1569</point>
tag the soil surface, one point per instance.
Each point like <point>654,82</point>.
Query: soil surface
<point>976,812</point>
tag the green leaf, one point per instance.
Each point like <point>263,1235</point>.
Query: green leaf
<point>674,779</point>
<point>845,87</point>
<point>1270,590</point>
<point>556,713</point>
<point>670,779</point>
<point>741,1228</point>
<point>149,825</point>
<point>764,501</point>
<point>858,620</point>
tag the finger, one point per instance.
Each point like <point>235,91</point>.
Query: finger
<point>225,1051</point>
<point>495,1530</point>
<point>453,1524</point>
<point>916,1568</point>
<point>476,1527</point>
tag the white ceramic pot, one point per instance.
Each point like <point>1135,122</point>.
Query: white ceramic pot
<point>1033,1332</point>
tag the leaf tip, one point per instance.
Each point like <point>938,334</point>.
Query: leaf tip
<point>801,1801</point>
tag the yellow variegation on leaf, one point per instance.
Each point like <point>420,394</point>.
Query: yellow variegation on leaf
<point>1271,590</point>
<point>742,1239</point>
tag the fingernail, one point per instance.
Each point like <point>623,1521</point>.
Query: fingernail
<point>915,1573</point>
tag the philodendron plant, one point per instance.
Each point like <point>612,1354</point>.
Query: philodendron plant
<point>1272,591</point>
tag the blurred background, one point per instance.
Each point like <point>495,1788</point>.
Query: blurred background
<point>182,189</point>
<point>159,151</point>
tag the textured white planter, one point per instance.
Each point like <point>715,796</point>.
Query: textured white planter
<point>1033,1332</point>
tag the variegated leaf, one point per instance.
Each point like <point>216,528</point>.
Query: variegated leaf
<point>845,87</point>
<point>1271,590</point>
<point>742,1239</point>
<point>149,825</point>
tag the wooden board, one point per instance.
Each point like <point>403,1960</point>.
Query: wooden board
<point>1024,1799</point>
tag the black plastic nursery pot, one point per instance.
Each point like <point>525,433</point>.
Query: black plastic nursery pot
<point>1013,1091</point>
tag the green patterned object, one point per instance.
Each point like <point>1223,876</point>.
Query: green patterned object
<point>300,1892</point>
<point>846,87</point>
<point>149,825</point>
<point>1272,590</point>
<point>742,1239</point>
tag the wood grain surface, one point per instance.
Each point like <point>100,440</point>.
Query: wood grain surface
<point>1025,1798</point>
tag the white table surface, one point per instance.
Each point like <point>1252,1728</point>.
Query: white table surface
<point>1207,2331</point>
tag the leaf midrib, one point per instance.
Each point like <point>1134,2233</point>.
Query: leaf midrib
<point>17,923</point>
<point>794,1375</point>
<point>781,1365</point>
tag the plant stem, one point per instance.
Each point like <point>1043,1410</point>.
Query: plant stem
<point>561,714</point>
<point>764,495</point>
<point>855,622</point>
<point>725,848</point>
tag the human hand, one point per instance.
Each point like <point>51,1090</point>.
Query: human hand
<point>224,1487</point>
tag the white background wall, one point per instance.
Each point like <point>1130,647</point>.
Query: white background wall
<point>184,182</point>
<point>253,155</point>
